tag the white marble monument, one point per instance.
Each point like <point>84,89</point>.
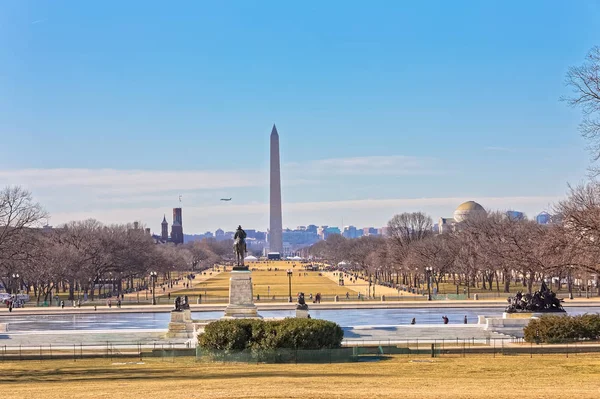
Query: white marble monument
<point>241,300</point>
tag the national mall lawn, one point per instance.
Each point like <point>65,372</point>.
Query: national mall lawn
<point>476,376</point>
<point>271,279</point>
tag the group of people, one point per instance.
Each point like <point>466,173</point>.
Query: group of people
<point>444,318</point>
<point>109,303</point>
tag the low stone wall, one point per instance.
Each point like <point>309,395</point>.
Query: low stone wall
<point>509,324</point>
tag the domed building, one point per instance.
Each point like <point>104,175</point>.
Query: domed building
<point>465,211</point>
<point>468,210</point>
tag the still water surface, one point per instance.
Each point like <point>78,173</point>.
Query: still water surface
<point>344,317</point>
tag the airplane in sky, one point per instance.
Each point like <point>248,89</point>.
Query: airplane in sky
<point>225,199</point>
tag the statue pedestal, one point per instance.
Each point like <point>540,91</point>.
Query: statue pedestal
<point>521,315</point>
<point>302,313</point>
<point>181,325</point>
<point>241,301</point>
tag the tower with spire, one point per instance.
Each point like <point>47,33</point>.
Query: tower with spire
<point>177,227</point>
<point>164,233</point>
<point>275,222</point>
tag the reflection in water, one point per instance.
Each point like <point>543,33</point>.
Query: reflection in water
<point>344,317</point>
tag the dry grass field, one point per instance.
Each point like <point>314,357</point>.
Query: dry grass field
<point>269,283</point>
<point>545,376</point>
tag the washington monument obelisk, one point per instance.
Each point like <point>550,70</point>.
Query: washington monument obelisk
<point>275,230</point>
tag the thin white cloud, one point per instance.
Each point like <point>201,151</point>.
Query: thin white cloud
<point>129,181</point>
<point>371,165</point>
<point>37,21</point>
<point>109,183</point>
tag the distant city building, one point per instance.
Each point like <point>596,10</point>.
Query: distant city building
<point>321,232</point>
<point>287,249</point>
<point>446,225</point>
<point>370,231</point>
<point>515,215</point>
<point>299,238</point>
<point>312,228</point>
<point>331,230</point>
<point>219,234</point>
<point>352,232</point>
<point>543,218</point>
<point>383,231</point>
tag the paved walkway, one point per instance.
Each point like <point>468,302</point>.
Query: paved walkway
<point>87,339</point>
<point>422,333</point>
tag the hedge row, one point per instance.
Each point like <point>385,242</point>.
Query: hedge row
<point>258,334</point>
<point>557,329</point>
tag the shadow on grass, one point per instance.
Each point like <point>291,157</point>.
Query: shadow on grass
<point>107,374</point>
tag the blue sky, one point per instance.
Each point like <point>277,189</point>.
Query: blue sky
<point>112,109</point>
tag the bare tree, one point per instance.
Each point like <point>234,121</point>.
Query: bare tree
<point>404,230</point>
<point>18,211</point>
<point>202,256</point>
<point>584,80</point>
<point>438,252</point>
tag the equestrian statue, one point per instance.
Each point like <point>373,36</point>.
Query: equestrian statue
<point>542,301</point>
<point>239,248</point>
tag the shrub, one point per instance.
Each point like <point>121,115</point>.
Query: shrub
<point>556,329</point>
<point>290,333</point>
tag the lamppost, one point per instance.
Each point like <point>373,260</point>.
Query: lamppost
<point>428,270</point>
<point>289,274</point>
<point>15,278</point>
<point>570,282</point>
<point>153,276</point>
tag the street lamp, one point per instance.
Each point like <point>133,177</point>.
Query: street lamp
<point>15,277</point>
<point>289,274</point>
<point>570,282</point>
<point>153,276</point>
<point>428,271</point>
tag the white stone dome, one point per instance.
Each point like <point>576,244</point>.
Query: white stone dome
<point>467,210</point>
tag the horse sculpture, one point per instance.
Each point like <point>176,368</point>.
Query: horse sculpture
<point>541,301</point>
<point>239,247</point>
